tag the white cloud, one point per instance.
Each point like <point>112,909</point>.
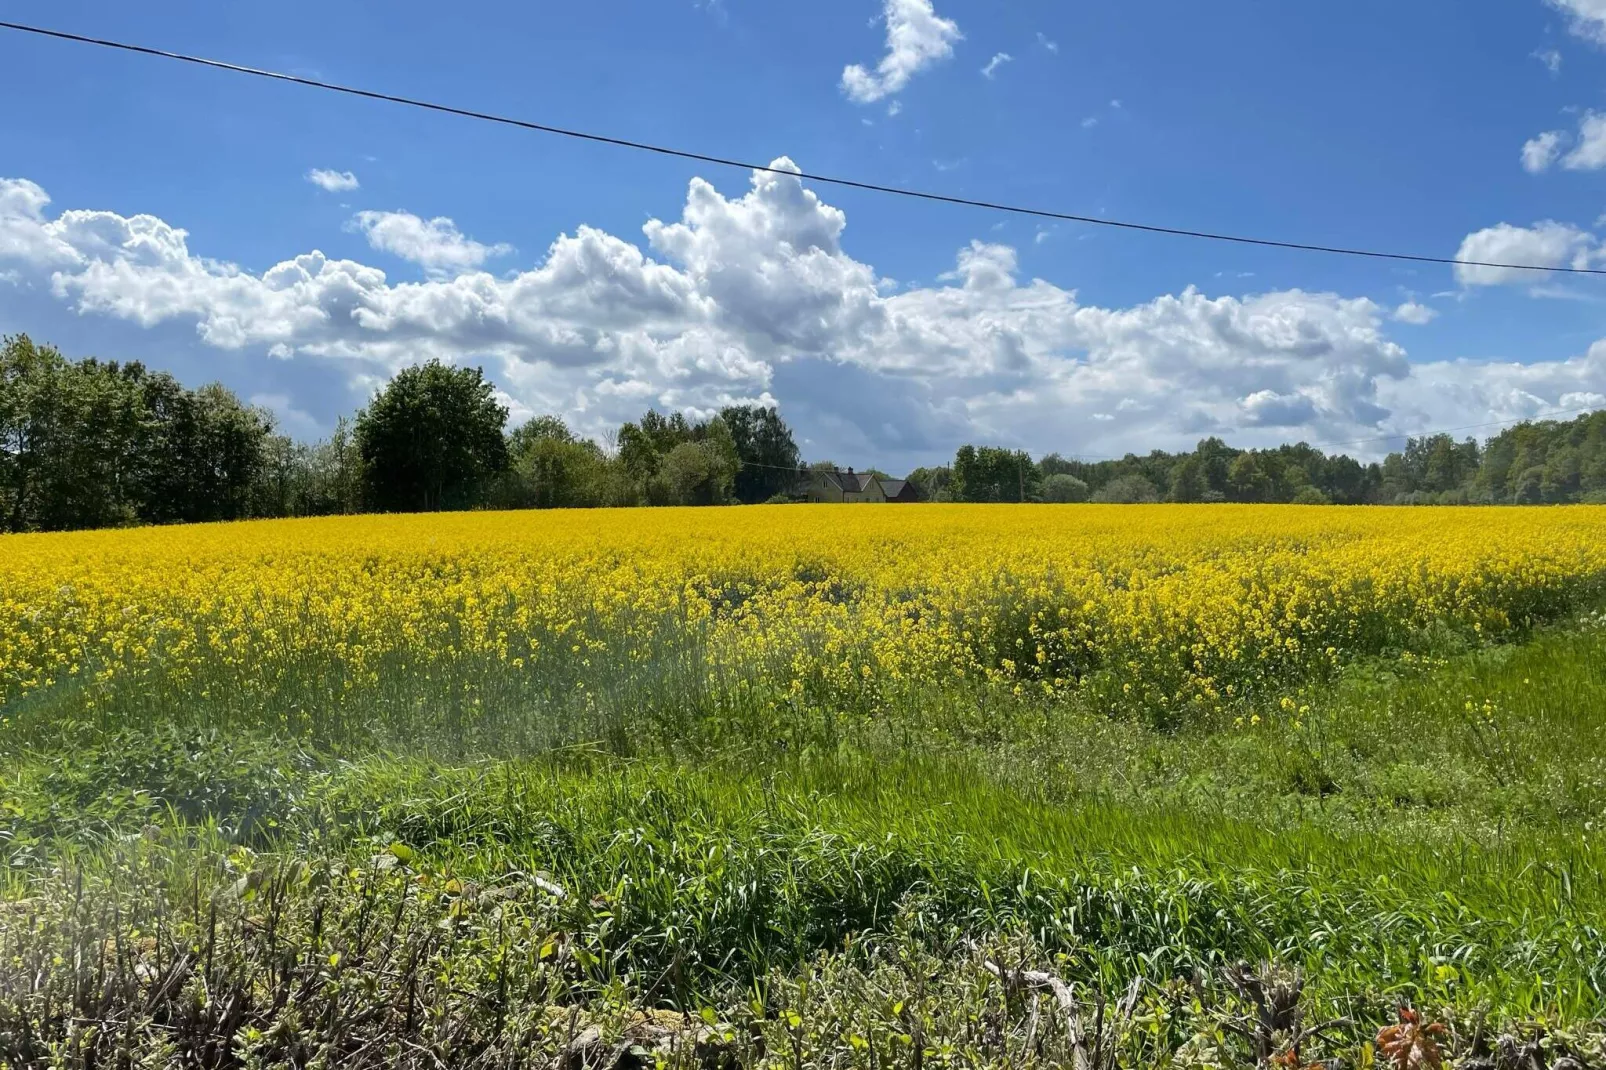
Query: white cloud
<point>998,60</point>
<point>1550,58</point>
<point>1042,39</point>
<point>1540,152</point>
<point>917,37</point>
<point>333,181</point>
<point>1585,18</point>
<point>1090,122</point>
<point>753,297</point>
<point>24,235</point>
<point>291,419</point>
<point>1548,245</point>
<point>435,244</point>
<point>1589,153</point>
<point>1415,313</point>
<point>1454,393</point>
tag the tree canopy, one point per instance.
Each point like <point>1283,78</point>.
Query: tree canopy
<point>432,439</point>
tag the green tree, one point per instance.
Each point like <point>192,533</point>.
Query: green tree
<point>934,484</point>
<point>549,467</point>
<point>1064,487</point>
<point>703,471</point>
<point>1188,483</point>
<point>333,478</point>
<point>1215,459</point>
<point>1309,495</point>
<point>1247,480</point>
<point>768,454</point>
<point>431,439</point>
<point>991,474</point>
<point>1127,490</point>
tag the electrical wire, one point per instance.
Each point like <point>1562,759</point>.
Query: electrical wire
<point>721,161</point>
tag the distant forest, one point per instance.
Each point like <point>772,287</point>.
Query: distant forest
<point>92,443</point>
<point>1539,463</point>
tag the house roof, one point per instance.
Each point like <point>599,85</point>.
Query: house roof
<point>851,482</point>
<point>859,482</point>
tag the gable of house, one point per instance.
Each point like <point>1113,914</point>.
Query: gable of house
<point>899,490</point>
<point>836,485</point>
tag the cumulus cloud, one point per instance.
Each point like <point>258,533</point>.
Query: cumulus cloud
<point>752,296</point>
<point>434,244</point>
<point>917,37</point>
<point>1043,40</point>
<point>1585,18</point>
<point>998,60</point>
<point>1589,152</point>
<point>1547,245</point>
<point>1540,152</point>
<point>1415,313</point>
<point>1588,147</point>
<point>1550,58</point>
<point>1453,393</point>
<point>333,181</point>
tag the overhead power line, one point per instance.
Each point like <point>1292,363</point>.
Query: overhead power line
<point>721,161</point>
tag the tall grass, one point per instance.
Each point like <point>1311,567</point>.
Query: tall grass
<point>1383,837</point>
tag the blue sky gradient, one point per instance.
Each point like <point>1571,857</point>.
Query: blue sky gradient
<point>889,331</point>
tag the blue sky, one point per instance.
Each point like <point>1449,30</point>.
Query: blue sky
<point>149,210</point>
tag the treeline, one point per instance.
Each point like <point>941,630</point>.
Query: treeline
<point>93,443</point>
<point>1548,462</point>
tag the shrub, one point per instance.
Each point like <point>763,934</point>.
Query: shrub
<point>1064,488</point>
<point>1311,496</point>
<point>1127,490</point>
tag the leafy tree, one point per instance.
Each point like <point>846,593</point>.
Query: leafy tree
<point>768,454</point>
<point>1064,487</point>
<point>1215,460</point>
<point>334,477</point>
<point>933,484</point>
<point>1053,465</point>
<point>67,439</point>
<point>431,439</point>
<point>1127,490</point>
<point>1188,483</point>
<point>549,467</point>
<point>702,471</point>
<point>92,443</point>
<point>1246,479</point>
<point>990,474</point>
<point>1309,495</point>
<point>1530,486</point>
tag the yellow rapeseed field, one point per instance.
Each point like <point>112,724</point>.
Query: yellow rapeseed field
<point>1168,607</point>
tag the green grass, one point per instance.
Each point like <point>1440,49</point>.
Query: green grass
<point>1419,831</point>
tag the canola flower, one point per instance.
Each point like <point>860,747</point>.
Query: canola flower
<point>1165,609</point>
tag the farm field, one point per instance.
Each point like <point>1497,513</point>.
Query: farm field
<point>847,786</point>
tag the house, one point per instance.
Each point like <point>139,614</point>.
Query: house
<point>835,485</point>
<point>900,490</point>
